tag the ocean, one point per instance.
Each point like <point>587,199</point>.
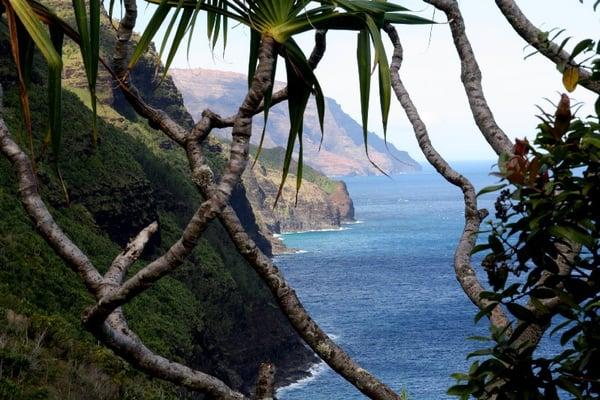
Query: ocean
<point>384,288</point>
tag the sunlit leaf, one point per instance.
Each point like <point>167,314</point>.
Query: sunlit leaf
<point>363,58</point>
<point>155,23</point>
<point>570,78</point>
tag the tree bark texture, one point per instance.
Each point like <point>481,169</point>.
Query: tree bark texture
<point>465,273</point>
<point>536,38</point>
<point>471,78</point>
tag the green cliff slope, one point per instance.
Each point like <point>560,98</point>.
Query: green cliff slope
<point>214,313</point>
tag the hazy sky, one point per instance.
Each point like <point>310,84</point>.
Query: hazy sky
<point>431,69</point>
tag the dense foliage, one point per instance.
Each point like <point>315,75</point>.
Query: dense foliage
<point>542,262</point>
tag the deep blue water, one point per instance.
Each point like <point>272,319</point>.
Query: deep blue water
<point>385,288</point>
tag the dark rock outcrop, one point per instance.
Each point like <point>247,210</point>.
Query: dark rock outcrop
<point>312,209</point>
<point>341,199</point>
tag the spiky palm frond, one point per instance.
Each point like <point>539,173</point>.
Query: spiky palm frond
<point>281,20</point>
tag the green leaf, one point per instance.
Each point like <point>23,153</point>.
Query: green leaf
<point>155,23</point>
<point>298,95</point>
<point>95,61</point>
<point>253,59</point>
<point>42,40</point>
<point>363,58</point>
<point>18,37</point>
<point>479,248</point>
<point>179,34</point>
<point>485,311</point>
<point>591,139</point>
<point>492,188</point>
<point>569,334</point>
<point>573,234</point>
<point>55,95</point>
<point>300,165</point>
<point>407,19</point>
<point>193,25</point>
<point>520,312</point>
<point>581,46</point>
<point>460,390</point>
<point>479,353</point>
<point>385,84</point>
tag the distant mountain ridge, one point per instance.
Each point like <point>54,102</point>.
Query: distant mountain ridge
<point>342,152</point>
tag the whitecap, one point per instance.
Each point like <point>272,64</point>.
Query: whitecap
<point>356,222</point>
<point>313,372</point>
<point>341,228</point>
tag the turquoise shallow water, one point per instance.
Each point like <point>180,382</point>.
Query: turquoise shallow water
<point>385,289</point>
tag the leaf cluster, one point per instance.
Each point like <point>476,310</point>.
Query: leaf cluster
<point>542,259</point>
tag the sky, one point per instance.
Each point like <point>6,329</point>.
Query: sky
<point>431,71</point>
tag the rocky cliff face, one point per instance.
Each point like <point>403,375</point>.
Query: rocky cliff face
<point>342,151</point>
<point>321,202</point>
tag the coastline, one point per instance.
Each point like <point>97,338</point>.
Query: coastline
<point>285,250</point>
<point>296,379</point>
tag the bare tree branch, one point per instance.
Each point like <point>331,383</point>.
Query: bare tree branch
<point>115,334</point>
<point>118,269</point>
<point>465,273</point>
<point>114,331</point>
<point>536,38</point>
<point>41,217</point>
<point>211,207</point>
<point>265,389</point>
<point>471,78</point>
<point>124,32</point>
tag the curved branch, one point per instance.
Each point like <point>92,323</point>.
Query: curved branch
<point>116,335</point>
<point>536,38</point>
<point>210,208</point>
<point>471,79</point>
<point>124,32</point>
<point>465,273</point>
<point>41,217</point>
<point>118,269</point>
<point>286,297</point>
<point>114,331</point>
<point>265,382</point>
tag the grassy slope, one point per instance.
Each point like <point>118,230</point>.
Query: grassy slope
<point>43,350</point>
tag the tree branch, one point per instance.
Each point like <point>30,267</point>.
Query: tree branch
<point>265,382</point>
<point>118,269</point>
<point>210,208</point>
<point>115,334</point>
<point>465,273</point>
<point>41,217</point>
<point>471,78</point>
<point>536,38</point>
<point>124,32</point>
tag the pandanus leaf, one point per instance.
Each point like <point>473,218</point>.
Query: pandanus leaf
<point>197,10</point>
<point>19,42</point>
<point>363,58</point>
<point>307,74</point>
<point>179,34</point>
<point>90,48</point>
<point>41,38</point>
<point>159,16</point>
<point>406,19</point>
<point>55,93</point>
<point>253,58</point>
<point>298,94</point>
<point>95,58</point>
<point>167,34</point>
<point>385,85</point>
